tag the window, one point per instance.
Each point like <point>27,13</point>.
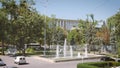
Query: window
<point>20,58</point>
<point>23,58</point>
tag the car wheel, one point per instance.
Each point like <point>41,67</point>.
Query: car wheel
<point>15,62</point>
<point>18,63</point>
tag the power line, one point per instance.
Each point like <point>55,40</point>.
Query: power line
<point>100,5</point>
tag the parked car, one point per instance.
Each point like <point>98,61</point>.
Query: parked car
<point>2,63</point>
<point>117,59</point>
<point>20,60</point>
<point>11,52</point>
<point>109,59</point>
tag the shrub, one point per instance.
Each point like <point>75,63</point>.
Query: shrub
<point>85,66</point>
<point>98,64</point>
<point>1,49</point>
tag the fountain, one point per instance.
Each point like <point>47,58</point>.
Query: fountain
<point>65,46</point>
<point>57,51</point>
<point>71,51</point>
<point>86,52</point>
<point>66,53</point>
<point>64,50</point>
<point>79,55</point>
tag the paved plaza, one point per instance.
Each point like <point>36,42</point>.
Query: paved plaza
<point>35,62</point>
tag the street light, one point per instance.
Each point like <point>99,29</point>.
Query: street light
<point>45,6</point>
<point>45,29</point>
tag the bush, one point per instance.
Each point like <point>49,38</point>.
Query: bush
<point>85,66</point>
<point>1,49</point>
<point>30,50</point>
<point>98,64</point>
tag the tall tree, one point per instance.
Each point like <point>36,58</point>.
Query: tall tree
<point>114,22</point>
<point>90,31</point>
<point>3,28</point>
<point>25,24</point>
<point>106,34</point>
<point>82,27</point>
<point>4,22</point>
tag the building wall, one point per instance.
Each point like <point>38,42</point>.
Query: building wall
<point>66,24</point>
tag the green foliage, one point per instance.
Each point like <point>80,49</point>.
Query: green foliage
<point>114,25</point>
<point>98,65</point>
<point>0,49</point>
<point>76,35</point>
<point>24,24</point>
<point>87,29</point>
<point>30,50</point>
<point>55,35</point>
<point>5,49</point>
<point>118,49</point>
<point>3,27</point>
<point>85,66</point>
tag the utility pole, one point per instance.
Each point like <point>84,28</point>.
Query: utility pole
<point>45,28</point>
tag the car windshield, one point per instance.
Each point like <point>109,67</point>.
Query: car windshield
<point>20,58</point>
<point>23,58</point>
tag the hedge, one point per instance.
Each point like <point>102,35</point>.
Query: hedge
<point>98,64</point>
<point>85,66</point>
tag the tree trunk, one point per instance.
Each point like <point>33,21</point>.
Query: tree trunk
<point>3,47</point>
<point>23,52</point>
<point>23,46</point>
<point>89,48</point>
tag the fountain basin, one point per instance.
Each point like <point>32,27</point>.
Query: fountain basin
<point>66,59</point>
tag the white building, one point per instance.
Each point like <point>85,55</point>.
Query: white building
<point>66,24</point>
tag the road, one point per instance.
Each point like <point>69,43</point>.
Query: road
<point>34,62</point>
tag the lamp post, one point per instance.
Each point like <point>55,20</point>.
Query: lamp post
<point>45,6</point>
<point>45,29</point>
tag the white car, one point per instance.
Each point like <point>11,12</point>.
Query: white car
<point>20,60</point>
<point>2,63</point>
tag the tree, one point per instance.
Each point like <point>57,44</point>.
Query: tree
<point>114,22</point>
<point>51,31</point>
<point>99,39</point>
<point>3,28</point>
<point>75,36</point>
<point>55,34</point>
<point>25,24</point>
<point>82,27</point>
<point>106,34</point>
<point>29,25</point>
<point>90,32</point>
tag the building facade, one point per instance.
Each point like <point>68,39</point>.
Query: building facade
<point>66,24</point>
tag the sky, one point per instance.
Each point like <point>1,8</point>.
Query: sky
<point>78,9</point>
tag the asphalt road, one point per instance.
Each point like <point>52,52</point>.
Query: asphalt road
<point>34,62</point>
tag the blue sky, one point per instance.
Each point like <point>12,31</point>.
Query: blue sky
<point>78,9</point>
